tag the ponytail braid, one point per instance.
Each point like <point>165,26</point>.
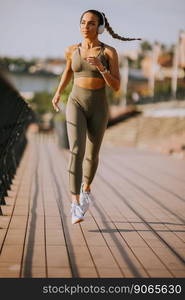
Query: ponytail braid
<point>115,35</point>
<point>107,26</point>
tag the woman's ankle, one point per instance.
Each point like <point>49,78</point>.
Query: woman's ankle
<point>75,203</point>
<point>75,199</point>
<point>86,187</point>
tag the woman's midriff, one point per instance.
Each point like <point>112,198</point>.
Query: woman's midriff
<point>89,82</point>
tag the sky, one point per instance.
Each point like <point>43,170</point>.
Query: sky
<point>44,28</point>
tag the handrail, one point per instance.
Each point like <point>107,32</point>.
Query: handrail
<point>15,116</point>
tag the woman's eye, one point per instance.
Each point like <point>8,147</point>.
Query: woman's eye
<point>89,23</point>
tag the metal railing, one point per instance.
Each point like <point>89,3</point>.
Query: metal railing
<point>15,116</point>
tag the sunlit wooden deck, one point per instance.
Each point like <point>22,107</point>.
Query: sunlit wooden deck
<point>135,229</point>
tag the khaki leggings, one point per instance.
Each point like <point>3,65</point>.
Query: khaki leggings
<point>87,117</point>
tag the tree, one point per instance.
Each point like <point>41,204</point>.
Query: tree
<point>145,45</point>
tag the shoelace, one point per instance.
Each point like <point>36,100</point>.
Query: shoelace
<point>85,200</point>
<point>88,197</point>
<point>76,208</point>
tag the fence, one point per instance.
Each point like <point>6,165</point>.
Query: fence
<point>15,116</point>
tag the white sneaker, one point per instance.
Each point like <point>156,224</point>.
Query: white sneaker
<point>86,199</point>
<point>77,213</point>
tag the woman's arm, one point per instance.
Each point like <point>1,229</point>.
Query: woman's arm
<point>66,76</point>
<point>67,73</point>
<point>113,78</point>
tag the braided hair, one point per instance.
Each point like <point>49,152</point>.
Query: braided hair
<point>107,26</point>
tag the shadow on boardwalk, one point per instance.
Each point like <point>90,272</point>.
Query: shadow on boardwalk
<point>135,229</point>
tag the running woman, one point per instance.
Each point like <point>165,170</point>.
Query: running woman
<point>93,64</point>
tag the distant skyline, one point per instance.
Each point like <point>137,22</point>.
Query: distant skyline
<point>44,28</point>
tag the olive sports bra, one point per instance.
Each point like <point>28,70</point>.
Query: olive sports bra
<point>82,68</point>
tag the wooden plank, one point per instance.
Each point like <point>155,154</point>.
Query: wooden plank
<point>34,259</point>
<point>59,272</point>
<point>14,232</point>
<point>156,161</point>
<point>11,254</point>
<point>7,209</point>
<point>15,237</point>
<point>77,247</point>
<point>100,230</point>
<point>57,257</point>
<point>18,224</point>
<point>56,252</point>
<point>38,272</point>
<point>122,234</point>
<point>107,220</point>
<point>9,269</point>
<point>96,240</point>
<point>138,167</point>
<point>11,198</point>
<point>142,206</point>
<point>2,236</point>
<point>4,222</point>
<point>131,236</point>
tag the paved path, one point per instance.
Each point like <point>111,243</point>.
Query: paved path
<point>135,229</point>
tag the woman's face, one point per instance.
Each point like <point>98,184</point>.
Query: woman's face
<point>89,25</point>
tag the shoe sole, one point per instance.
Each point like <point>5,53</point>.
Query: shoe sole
<point>78,221</point>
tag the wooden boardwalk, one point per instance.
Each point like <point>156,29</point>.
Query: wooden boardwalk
<point>135,229</point>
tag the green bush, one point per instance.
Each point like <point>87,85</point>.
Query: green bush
<point>41,102</point>
<point>66,91</point>
<point>163,87</point>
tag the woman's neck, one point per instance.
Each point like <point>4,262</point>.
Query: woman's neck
<point>87,43</point>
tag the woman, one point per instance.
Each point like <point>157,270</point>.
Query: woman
<point>94,65</point>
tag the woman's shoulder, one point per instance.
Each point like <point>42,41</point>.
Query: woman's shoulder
<point>69,50</point>
<point>109,50</point>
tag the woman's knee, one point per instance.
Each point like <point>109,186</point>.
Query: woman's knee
<point>92,159</point>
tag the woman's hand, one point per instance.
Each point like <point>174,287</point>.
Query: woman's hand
<point>92,60</point>
<point>55,100</point>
